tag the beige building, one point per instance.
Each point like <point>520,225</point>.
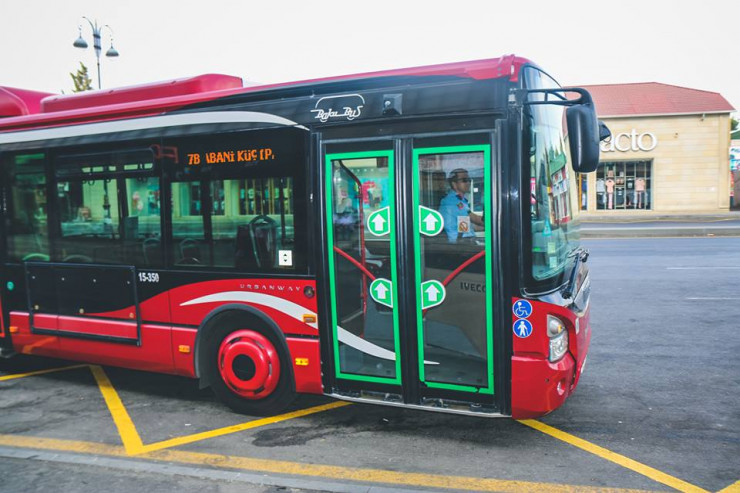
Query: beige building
<point>669,152</point>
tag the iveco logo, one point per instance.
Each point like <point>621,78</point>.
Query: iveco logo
<point>472,286</point>
<point>342,107</point>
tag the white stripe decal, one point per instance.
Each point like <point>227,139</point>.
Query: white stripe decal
<point>289,308</point>
<point>364,346</point>
<point>102,128</point>
<point>297,311</point>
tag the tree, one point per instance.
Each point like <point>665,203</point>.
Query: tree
<point>81,79</point>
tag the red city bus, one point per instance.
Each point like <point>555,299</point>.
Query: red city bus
<point>364,237</point>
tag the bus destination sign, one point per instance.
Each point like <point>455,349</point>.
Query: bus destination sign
<point>231,157</point>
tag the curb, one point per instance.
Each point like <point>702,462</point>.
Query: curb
<point>659,232</point>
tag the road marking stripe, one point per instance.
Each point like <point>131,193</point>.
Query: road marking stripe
<point>623,461</point>
<point>713,299</point>
<point>312,470</point>
<point>126,429</point>
<point>733,488</point>
<point>724,267</point>
<point>174,442</point>
<point>40,372</point>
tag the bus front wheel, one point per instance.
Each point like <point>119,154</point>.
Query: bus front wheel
<point>250,370</point>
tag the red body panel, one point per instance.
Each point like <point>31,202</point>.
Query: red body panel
<point>47,322</point>
<point>156,309</point>
<point>283,301</point>
<point>534,380</point>
<point>157,90</point>
<point>184,362</point>
<point>128,313</point>
<point>108,328</point>
<point>26,343</point>
<point>267,295</point>
<point>154,354</point>
<point>2,320</point>
<point>506,66</point>
<point>19,102</point>
<point>306,358</point>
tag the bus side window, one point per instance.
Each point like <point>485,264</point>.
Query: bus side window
<point>109,209</point>
<point>25,192</point>
<point>250,219</point>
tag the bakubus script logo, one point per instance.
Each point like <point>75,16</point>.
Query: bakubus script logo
<point>344,106</point>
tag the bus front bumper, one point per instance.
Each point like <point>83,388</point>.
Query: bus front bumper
<point>538,386</point>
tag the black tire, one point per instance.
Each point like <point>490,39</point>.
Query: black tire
<point>220,328</point>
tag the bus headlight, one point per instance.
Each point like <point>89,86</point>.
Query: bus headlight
<point>558,338</point>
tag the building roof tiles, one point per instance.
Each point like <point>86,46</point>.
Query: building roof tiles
<point>654,98</point>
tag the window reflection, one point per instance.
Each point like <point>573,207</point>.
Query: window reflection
<point>27,224</point>
<point>456,332</point>
<point>553,191</point>
<point>250,221</point>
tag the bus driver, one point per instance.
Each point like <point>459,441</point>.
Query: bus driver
<point>455,208</point>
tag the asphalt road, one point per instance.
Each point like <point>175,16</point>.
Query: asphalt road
<point>661,387</point>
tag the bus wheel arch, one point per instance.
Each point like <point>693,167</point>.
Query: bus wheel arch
<point>242,354</point>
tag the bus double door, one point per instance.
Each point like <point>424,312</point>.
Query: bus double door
<point>410,265</point>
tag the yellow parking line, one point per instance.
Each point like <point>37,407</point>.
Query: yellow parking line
<point>133,443</point>
<point>58,445</point>
<point>733,488</point>
<point>126,429</point>
<point>173,442</point>
<point>40,372</point>
<point>623,461</point>
<point>311,470</point>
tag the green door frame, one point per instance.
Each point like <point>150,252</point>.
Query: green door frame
<point>486,149</point>
<point>329,211</point>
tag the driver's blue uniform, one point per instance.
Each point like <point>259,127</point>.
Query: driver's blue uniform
<point>451,207</point>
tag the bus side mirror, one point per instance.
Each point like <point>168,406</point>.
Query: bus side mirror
<point>585,132</point>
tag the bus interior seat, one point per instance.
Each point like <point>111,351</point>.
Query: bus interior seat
<point>257,243</point>
<point>189,252</point>
<point>35,257</point>
<point>152,249</point>
<point>78,259</point>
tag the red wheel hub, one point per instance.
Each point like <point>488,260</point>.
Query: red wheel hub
<point>249,364</point>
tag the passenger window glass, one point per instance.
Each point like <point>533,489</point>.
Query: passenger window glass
<point>234,200</point>
<point>453,262</point>
<point>26,225</point>
<point>251,221</point>
<point>552,188</point>
<point>109,209</point>
<point>363,263</point>
<point>188,228</point>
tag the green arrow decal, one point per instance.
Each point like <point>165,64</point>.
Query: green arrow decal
<point>379,222</point>
<point>381,291</point>
<point>432,294</point>
<point>431,222</point>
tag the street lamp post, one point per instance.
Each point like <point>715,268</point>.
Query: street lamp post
<point>96,32</point>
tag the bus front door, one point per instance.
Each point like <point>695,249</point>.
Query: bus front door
<point>409,259</point>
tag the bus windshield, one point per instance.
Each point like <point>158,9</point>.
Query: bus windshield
<point>552,206</point>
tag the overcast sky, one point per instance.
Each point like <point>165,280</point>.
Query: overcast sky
<point>687,43</point>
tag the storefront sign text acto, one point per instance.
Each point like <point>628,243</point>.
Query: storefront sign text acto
<point>630,141</point>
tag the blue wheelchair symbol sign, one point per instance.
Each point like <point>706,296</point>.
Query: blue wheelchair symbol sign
<point>522,309</point>
<point>522,328</point>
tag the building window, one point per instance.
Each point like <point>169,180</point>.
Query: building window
<point>624,185</point>
<point>583,187</point>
